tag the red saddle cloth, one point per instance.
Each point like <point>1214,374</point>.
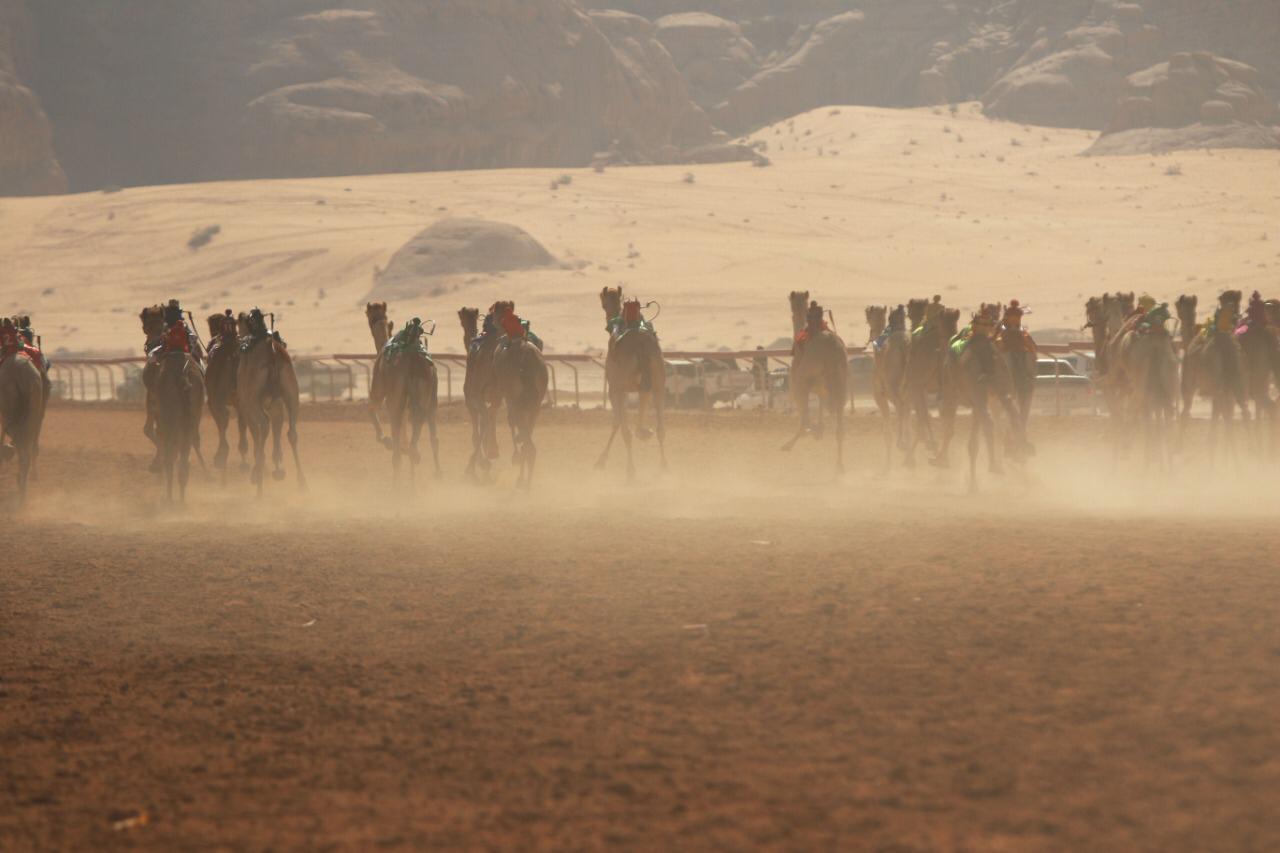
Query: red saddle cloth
<point>803,334</point>
<point>176,339</point>
<point>1016,340</point>
<point>25,350</point>
<point>512,326</point>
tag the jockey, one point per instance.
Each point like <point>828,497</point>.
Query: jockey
<point>814,324</point>
<point>258,331</point>
<point>1255,316</point>
<point>630,318</point>
<point>1154,319</point>
<point>408,339</point>
<point>176,337</point>
<point>932,314</point>
<point>224,331</point>
<point>897,322</point>
<point>513,328</point>
<point>1012,320</point>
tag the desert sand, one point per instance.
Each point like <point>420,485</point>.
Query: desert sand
<point>860,206</point>
<point>743,652</point>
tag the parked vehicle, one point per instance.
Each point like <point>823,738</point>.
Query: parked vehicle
<point>703,382</point>
<point>1060,389</point>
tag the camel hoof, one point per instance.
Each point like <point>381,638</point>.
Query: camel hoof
<point>7,452</point>
<point>387,443</point>
<point>644,433</point>
<point>277,475</point>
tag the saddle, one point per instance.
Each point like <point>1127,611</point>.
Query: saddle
<point>1014,340</point>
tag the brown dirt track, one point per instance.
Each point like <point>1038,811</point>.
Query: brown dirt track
<point>741,653</point>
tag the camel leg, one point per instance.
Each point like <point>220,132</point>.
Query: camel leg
<point>839,409</point>
<point>435,443</point>
<point>643,432</point>
<point>293,444</point>
<point>491,431</point>
<point>222,420</point>
<point>530,455</point>
<point>618,416</point>
<point>620,403</point>
<point>277,441</point>
<point>259,426</point>
<point>947,417</point>
<point>243,425</point>
<point>802,403</point>
<point>377,428</point>
<point>886,428</point>
<point>659,406</point>
<point>184,471</point>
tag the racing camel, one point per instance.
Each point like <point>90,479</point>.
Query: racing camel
<point>1146,368</point>
<point>633,365</point>
<point>152,318</point>
<point>267,389</point>
<point>1261,350</point>
<point>410,386</point>
<point>179,392</point>
<point>380,328</point>
<point>975,375</point>
<point>819,365</point>
<point>520,374</point>
<point>1213,367</point>
<point>889,342</point>
<point>220,387</point>
<point>479,390</point>
<point>22,405</point>
<point>923,375</point>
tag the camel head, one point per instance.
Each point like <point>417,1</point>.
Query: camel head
<point>1186,308</point>
<point>1094,317</point>
<point>242,324</point>
<point>215,323</point>
<point>915,311</point>
<point>1231,300</point>
<point>1273,311</point>
<point>376,312</point>
<point>470,319</point>
<point>611,302</point>
<point>1127,302</point>
<point>877,319</point>
<point>152,318</point>
<point>799,300</point>
<point>950,322</point>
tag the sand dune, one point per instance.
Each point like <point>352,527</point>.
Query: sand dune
<point>861,205</point>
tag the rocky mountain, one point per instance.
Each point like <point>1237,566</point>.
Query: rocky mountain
<point>151,91</point>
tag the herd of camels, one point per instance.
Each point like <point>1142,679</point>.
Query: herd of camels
<point>1138,370</point>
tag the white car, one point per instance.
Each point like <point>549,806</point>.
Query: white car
<point>1060,389</point>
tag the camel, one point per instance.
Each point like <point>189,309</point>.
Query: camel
<point>1213,367</point>
<point>890,356</point>
<point>380,328</point>
<point>267,391</point>
<point>152,318</point>
<point>220,388</point>
<point>479,390</point>
<point>916,309</point>
<point>1018,350</point>
<point>180,393</point>
<point>520,374</point>
<point>1261,351</point>
<point>923,375</point>
<point>975,377</point>
<point>633,365</point>
<point>819,365</point>
<point>411,388</point>
<point>22,405</point>
<point>1147,367</point>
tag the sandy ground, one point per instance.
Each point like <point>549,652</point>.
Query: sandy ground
<point>861,205</point>
<point>742,652</point>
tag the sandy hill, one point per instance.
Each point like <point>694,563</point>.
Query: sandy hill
<point>860,205</point>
